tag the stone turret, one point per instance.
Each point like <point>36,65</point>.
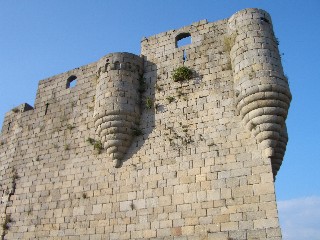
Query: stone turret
<point>117,102</point>
<point>262,90</point>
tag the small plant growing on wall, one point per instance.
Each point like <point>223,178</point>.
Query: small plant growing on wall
<point>149,103</point>
<point>97,144</point>
<point>90,140</point>
<point>181,73</point>
<point>142,84</point>
<point>136,131</point>
<point>170,99</point>
<point>70,127</point>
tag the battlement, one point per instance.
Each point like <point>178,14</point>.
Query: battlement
<point>181,142</point>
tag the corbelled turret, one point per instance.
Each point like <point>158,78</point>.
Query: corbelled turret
<point>262,91</point>
<point>117,108</point>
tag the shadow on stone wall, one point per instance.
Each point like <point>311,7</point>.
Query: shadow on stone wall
<point>148,109</point>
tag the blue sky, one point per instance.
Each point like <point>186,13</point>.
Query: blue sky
<point>43,38</point>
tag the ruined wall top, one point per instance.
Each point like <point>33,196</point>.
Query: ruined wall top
<point>181,142</point>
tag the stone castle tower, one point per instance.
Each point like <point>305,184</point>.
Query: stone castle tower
<point>177,143</point>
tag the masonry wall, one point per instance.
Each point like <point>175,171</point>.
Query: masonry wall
<point>196,172</point>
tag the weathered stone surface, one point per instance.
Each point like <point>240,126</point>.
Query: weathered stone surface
<point>195,158</point>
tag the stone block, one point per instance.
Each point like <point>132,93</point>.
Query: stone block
<point>78,211</point>
<point>265,223</point>
<point>263,188</point>
<point>218,235</point>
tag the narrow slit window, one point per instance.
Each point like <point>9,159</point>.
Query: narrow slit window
<point>183,39</point>
<point>46,111</point>
<point>71,81</point>
<point>9,125</point>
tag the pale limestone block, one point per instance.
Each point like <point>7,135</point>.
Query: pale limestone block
<point>213,195</point>
<point>218,235</point>
<point>164,201</point>
<point>265,223</point>
<point>263,188</point>
<point>78,211</point>
<point>96,209</point>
